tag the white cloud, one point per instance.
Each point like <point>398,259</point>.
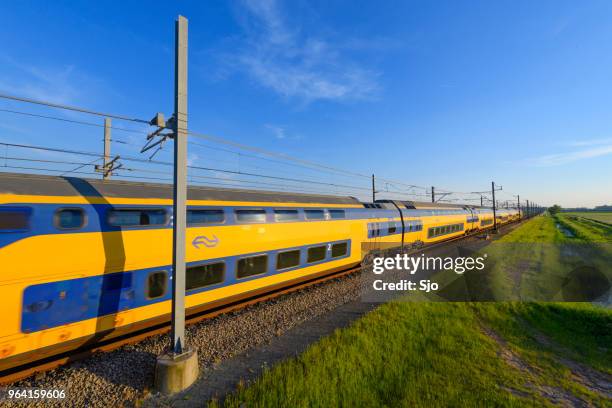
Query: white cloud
<point>192,159</point>
<point>296,65</point>
<point>63,84</point>
<point>278,131</point>
<point>54,84</point>
<point>592,142</point>
<point>569,157</point>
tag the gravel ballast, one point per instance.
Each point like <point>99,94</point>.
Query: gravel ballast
<point>124,377</point>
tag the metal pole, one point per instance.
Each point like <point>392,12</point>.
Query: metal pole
<point>494,212</point>
<point>107,147</point>
<point>373,189</point>
<point>481,200</point>
<point>433,195</point>
<point>180,188</point>
<point>528,210</point>
<point>518,204</point>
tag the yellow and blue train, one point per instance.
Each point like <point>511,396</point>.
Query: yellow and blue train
<point>86,260</point>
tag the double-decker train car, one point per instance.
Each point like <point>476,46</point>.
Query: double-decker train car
<point>85,260</point>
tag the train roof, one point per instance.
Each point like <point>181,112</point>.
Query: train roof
<point>35,184</point>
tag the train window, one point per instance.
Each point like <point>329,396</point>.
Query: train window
<point>314,214</point>
<point>198,276</point>
<point>254,265</point>
<point>339,250</point>
<point>431,233</point>
<point>156,284</point>
<point>136,217</point>
<point>317,253</point>
<point>336,214</point>
<point>251,215</point>
<point>69,218</point>
<point>286,215</point>
<point>287,259</point>
<point>14,219</point>
<point>392,228</point>
<point>197,217</point>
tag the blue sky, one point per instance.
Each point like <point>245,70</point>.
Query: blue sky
<point>451,94</point>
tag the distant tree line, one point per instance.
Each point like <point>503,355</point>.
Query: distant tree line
<point>599,208</point>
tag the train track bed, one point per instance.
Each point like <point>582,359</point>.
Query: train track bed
<point>124,376</point>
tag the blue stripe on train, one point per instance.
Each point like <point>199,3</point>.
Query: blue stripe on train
<point>57,303</point>
<point>42,218</point>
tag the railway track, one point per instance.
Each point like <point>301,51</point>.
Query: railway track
<point>31,368</point>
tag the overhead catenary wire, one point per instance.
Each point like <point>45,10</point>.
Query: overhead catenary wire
<point>79,122</point>
<point>296,162</point>
<point>258,154</point>
<point>216,139</point>
<point>97,157</point>
<point>71,108</point>
<point>191,167</point>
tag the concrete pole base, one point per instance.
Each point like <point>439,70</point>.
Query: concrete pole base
<point>175,373</point>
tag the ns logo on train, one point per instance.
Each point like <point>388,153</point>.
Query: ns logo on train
<point>201,239</point>
<point>204,240</point>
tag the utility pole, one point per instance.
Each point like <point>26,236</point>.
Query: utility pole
<point>178,369</point>
<point>518,204</point>
<point>433,194</point>
<point>481,200</point>
<point>494,212</point>
<point>373,189</point>
<point>107,147</point>
<point>528,209</point>
<point>108,164</point>
<point>180,188</point>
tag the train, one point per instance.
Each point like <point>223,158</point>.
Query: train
<point>86,260</point>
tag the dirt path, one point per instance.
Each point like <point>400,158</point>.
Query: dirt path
<point>591,379</point>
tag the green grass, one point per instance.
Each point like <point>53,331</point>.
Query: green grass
<point>437,354</point>
<point>585,229</point>
<point>400,355</point>
<point>597,216</point>
<point>535,261</point>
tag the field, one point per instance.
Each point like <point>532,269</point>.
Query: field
<point>458,354</point>
<point>539,261</point>
<point>597,216</point>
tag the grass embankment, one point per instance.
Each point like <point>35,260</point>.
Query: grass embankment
<point>453,354</point>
